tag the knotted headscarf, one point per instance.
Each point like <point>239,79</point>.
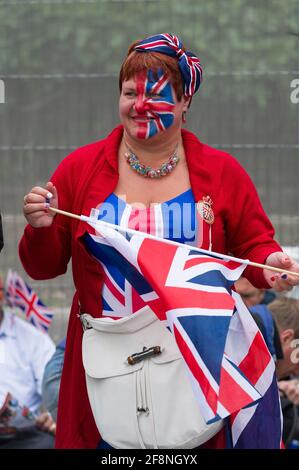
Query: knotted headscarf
<point>171,45</point>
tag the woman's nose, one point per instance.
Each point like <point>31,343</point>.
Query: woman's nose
<point>141,105</point>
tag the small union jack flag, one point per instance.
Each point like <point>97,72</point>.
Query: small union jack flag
<point>20,295</point>
<point>10,288</point>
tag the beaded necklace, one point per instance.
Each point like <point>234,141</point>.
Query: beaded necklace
<point>149,172</point>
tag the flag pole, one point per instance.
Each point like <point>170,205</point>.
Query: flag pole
<point>93,222</point>
<point>68,214</point>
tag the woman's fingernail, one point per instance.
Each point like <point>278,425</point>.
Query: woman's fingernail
<point>47,205</point>
<point>48,198</point>
<point>273,278</point>
<point>284,276</point>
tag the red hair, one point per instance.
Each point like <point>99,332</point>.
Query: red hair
<point>137,61</point>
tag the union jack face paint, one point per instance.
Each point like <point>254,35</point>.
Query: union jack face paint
<point>154,104</point>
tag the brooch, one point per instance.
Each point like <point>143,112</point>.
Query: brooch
<point>205,210</point>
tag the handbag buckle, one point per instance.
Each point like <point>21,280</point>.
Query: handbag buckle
<point>144,354</point>
<point>84,323</point>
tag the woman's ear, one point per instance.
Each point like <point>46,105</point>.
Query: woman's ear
<point>286,336</point>
<point>187,102</point>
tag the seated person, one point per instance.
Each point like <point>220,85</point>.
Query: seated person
<point>24,352</point>
<point>51,380</point>
<point>285,312</point>
<point>252,295</point>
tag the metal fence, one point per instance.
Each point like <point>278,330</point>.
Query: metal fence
<point>59,61</point>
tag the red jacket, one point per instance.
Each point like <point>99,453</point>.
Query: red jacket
<point>84,179</point>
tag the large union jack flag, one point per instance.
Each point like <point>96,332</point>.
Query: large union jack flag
<point>230,368</point>
<point>20,295</point>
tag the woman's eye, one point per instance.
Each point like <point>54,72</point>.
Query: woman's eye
<point>154,96</point>
<point>130,93</point>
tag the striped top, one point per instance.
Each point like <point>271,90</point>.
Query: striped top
<point>175,219</point>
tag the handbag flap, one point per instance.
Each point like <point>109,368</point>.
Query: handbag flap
<point>105,351</point>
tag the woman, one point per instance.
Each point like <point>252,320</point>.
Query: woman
<point>148,159</point>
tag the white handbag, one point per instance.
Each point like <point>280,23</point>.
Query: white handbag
<point>138,386</point>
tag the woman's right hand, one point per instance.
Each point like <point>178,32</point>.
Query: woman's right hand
<point>36,207</point>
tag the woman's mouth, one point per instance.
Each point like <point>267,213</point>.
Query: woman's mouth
<point>142,118</point>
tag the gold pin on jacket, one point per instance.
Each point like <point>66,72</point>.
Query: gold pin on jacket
<point>205,210</point>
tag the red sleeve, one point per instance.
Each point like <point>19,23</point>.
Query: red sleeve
<point>249,230</point>
<point>45,252</point>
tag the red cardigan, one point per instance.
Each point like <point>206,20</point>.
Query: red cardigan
<point>84,179</point>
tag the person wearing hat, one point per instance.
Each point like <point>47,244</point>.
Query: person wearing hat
<point>146,164</point>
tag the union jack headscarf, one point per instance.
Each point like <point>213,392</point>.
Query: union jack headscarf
<point>171,45</point>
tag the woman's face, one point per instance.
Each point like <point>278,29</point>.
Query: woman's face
<point>148,105</point>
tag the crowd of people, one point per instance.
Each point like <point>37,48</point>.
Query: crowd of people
<point>148,161</point>
<point>278,319</point>
<point>32,376</point>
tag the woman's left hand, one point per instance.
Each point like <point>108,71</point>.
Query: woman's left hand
<point>46,423</point>
<point>279,281</point>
